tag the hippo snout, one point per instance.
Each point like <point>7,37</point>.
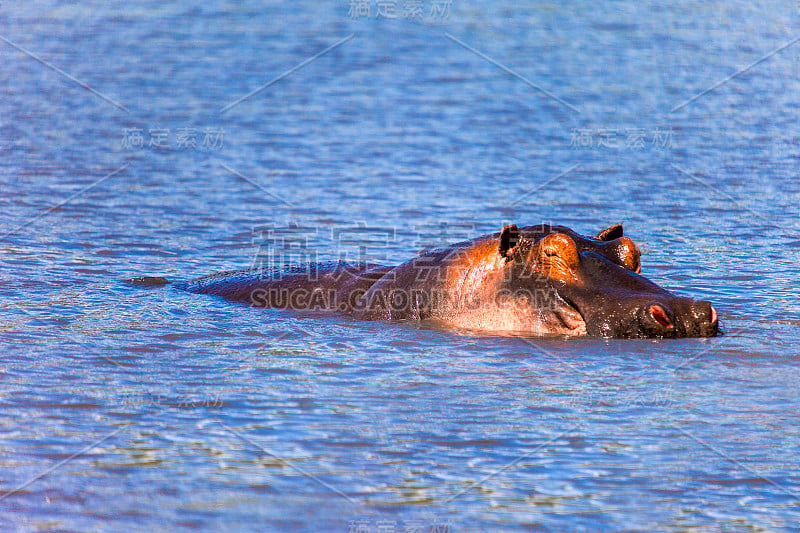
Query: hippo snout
<point>680,317</point>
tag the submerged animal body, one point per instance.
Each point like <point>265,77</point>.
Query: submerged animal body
<point>536,280</point>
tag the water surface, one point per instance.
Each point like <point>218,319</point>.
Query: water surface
<point>128,408</point>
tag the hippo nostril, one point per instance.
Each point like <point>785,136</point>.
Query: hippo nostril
<point>660,315</point>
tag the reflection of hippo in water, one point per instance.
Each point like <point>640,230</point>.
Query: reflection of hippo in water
<point>540,280</point>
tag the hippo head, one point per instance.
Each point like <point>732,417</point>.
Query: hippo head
<point>594,284</point>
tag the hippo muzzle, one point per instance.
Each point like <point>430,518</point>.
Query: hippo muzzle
<point>616,302</point>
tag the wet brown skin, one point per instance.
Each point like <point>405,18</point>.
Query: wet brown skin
<point>538,280</point>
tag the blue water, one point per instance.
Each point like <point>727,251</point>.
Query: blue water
<point>127,408</point>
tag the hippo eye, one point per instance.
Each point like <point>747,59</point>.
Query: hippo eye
<point>557,256</point>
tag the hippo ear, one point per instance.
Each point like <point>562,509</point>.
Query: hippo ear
<point>610,233</point>
<point>509,236</point>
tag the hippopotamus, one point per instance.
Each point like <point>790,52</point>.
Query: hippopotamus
<point>535,280</point>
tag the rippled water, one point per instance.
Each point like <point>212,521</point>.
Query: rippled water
<point>127,408</point>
